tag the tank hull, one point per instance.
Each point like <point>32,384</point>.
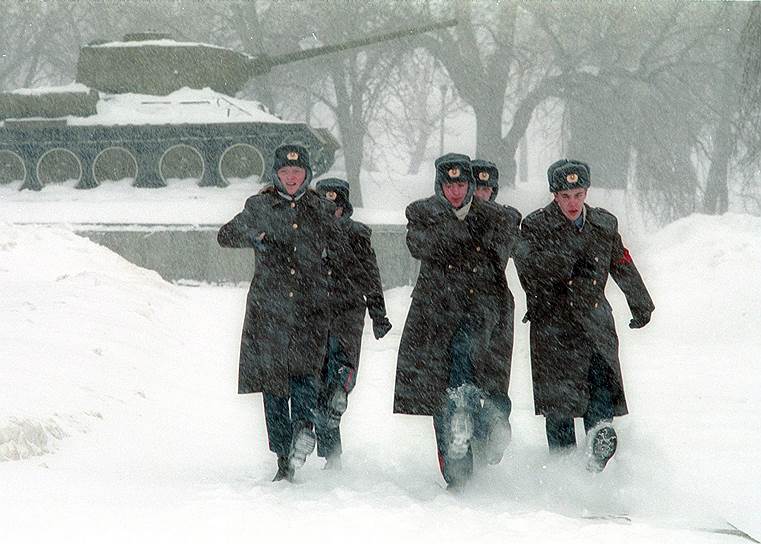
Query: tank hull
<point>28,143</point>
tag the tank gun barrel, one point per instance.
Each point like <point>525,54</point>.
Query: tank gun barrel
<point>265,63</point>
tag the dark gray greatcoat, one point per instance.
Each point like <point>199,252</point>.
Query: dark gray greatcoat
<point>354,289</point>
<point>502,339</point>
<point>459,267</point>
<point>570,317</point>
<point>287,314</point>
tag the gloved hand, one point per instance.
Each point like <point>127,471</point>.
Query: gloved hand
<point>381,326</point>
<point>583,268</point>
<point>258,240</point>
<point>640,318</point>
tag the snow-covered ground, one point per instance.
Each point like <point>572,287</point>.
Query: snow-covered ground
<point>120,422</point>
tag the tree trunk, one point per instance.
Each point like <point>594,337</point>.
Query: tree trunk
<point>418,153</point>
<point>716,199</point>
<point>523,160</point>
<point>489,144</point>
<point>353,153</point>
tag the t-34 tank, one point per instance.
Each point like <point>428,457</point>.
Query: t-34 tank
<point>149,108</point>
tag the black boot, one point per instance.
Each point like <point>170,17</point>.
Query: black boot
<point>284,471</point>
<point>604,442</point>
<point>497,441</point>
<point>301,446</point>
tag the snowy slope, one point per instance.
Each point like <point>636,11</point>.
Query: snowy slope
<point>119,394</point>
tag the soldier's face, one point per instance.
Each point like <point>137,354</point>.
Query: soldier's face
<point>483,192</point>
<point>571,202</point>
<point>291,177</point>
<point>455,193</point>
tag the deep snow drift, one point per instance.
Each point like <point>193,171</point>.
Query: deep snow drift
<point>120,420</point>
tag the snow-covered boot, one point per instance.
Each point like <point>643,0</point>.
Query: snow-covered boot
<point>284,471</point>
<point>495,419</point>
<point>335,408</point>
<point>301,446</point>
<point>499,437</point>
<point>461,431</point>
<point>603,442</point>
<point>461,422</point>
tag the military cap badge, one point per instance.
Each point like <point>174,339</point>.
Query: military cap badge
<point>454,172</point>
<point>572,178</point>
<point>483,176</point>
<point>331,195</point>
<point>293,156</point>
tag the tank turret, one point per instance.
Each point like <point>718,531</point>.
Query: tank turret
<point>151,109</point>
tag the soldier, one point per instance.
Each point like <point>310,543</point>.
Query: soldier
<point>296,242</point>
<point>486,176</point>
<point>351,292</point>
<point>568,250</point>
<point>444,367</point>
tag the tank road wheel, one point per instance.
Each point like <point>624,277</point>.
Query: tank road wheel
<point>181,161</point>
<point>114,164</point>
<point>12,168</point>
<point>58,165</point>
<point>241,163</point>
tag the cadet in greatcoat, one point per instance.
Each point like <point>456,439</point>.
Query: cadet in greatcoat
<point>486,176</point>
<point>351,291</point>
<point>444,368</point>
<point>568,251</point>
<point>296,242</point>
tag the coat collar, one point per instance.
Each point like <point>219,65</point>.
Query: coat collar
<point>309,198</point>
<point>556,219</point>
<point>439,207</point>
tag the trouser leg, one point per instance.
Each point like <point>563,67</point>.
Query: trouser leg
<point>560,432</point>
<point>303,402</point>
<point>328,436</point>
<point>461,402</point>
<point>600,407</point>
<point>278,420</point>
<point>337,381</point>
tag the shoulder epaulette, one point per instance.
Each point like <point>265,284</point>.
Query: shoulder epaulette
<point>603,218</point>
<point>362,229</point>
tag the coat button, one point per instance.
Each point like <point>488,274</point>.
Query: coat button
<point>478,248</point>
<point>293,271</point>
<point>597,259</point>
<point>571,303</point>
<point>570,282</point>
<point>475,270</point>
<point>449,266</point>
<point>293,204</point>
<point>330,272</point>
<point>470,291</point>
<point>596,304</point>
<point>290,294</point>
<point>594,282</point>
<point>295,225</point>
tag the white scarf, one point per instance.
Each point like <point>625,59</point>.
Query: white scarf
<point>463,210</point>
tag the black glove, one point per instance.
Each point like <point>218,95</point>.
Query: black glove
<point>583,268</point>
<point>381,326</point>
<point>640,318</point>
<point>259,240</point>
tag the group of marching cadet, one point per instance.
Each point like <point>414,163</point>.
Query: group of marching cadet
<point>316,273</point>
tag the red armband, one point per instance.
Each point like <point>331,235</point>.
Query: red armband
<point>626,259</point>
